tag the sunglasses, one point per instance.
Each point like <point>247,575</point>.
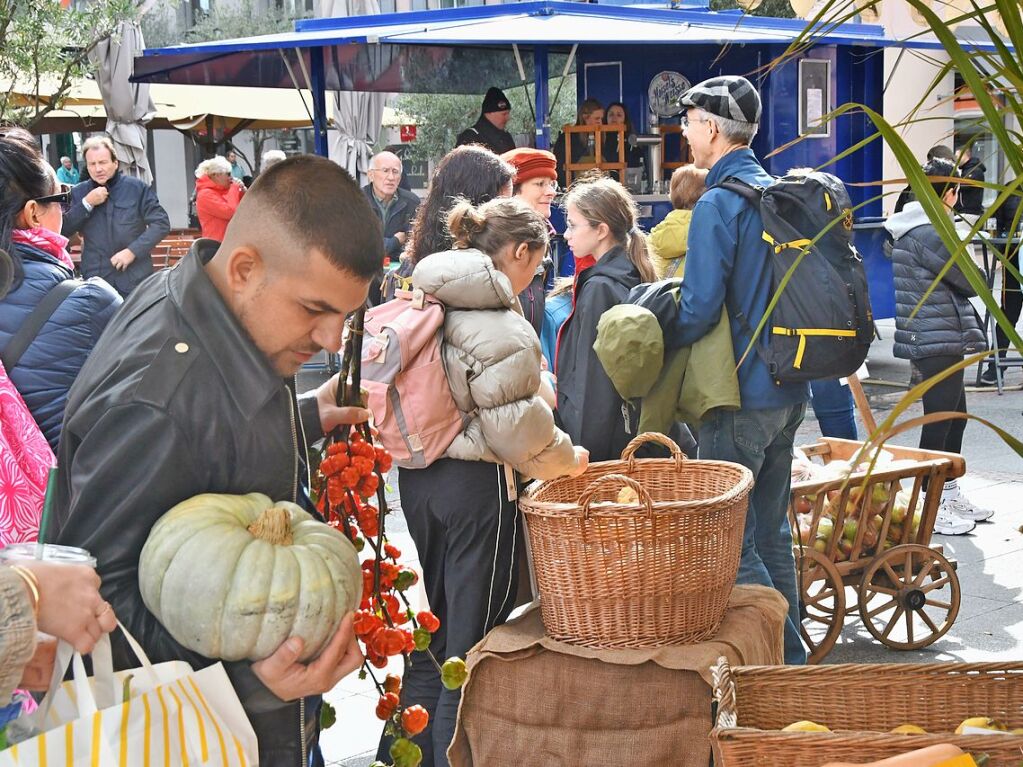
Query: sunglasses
<point>63,196</point>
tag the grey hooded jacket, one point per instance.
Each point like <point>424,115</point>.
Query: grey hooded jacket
<point>492,361</point>
<point>946,324</point>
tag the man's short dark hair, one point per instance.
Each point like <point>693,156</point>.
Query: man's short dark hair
<point>939,168</point>
<point>319,206</point>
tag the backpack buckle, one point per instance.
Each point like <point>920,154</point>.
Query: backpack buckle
<point>418,299</point>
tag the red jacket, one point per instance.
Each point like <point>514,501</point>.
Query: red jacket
<point>215,206</point>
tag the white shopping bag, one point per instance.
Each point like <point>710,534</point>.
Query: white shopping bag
<point>172,716</point>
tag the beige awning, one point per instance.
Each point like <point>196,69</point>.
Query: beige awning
<point>189,107</point>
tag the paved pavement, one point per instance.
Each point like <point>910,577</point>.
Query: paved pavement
<point>990,621</point>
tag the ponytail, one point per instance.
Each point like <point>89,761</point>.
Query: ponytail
<point>639,254</point>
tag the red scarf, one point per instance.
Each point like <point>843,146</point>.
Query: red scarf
<point>48,242</point>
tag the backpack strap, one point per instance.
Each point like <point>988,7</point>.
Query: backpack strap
<point>30,328</point>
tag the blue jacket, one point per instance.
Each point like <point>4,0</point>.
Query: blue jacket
<point>555,311</point>
<point>729,263</point>
<point>130,218</point>
<point>50,364</point>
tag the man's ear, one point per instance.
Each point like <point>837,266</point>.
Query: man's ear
<point>244,269</point>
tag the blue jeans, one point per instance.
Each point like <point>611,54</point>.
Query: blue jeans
<point>834,407</point>
<point>761,440</point>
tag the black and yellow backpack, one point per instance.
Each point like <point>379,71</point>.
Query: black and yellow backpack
<point>821,325</point>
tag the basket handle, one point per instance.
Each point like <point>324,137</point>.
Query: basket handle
<point>591,490</point>
<point>724,693</point>
<point>629,453</point>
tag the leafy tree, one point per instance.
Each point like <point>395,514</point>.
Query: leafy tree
<point>162,24</point>
<point>777,8</point>
<point>44,48</point>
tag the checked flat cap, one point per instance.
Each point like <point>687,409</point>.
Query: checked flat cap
<point>731,96</point>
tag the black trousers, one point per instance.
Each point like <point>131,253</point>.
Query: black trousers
<point>468,537</point>
<point>950,394</point>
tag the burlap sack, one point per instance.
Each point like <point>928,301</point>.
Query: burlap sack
<point>530,700</point>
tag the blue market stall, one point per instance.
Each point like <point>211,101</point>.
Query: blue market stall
<point>640,55</point>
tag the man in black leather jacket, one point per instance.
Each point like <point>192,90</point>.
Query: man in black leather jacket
<point>191,390</point>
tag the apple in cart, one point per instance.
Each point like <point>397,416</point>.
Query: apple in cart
<point>803,504</point>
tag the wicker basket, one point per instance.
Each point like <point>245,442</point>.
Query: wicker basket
<point>867,700</point>
<point>651,572</point>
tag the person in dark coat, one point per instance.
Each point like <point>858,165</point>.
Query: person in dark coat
<point>118,216</point>
<point>611,259</point>
<point>395,206</point>
<point>937,335</point>
<point>617,114</point>
<point>30,219</point>
<point>971,198</point>
<point>489,130</point>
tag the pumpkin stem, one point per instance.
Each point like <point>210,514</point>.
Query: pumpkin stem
<point>273,526</point>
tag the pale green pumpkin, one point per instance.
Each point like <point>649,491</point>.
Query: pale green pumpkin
<point>234,576</point>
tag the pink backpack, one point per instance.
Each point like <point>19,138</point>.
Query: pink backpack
<point>403,373</point>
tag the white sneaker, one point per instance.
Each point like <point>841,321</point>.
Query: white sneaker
<point>962,507</point>
<point>948,522</point>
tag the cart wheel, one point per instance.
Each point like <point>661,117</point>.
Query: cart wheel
<point>909,596</point>
<point>823,609</point>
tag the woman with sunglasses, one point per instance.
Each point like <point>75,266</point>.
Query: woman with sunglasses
<point>30,221</point>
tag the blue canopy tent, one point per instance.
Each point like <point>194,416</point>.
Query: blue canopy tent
<point>617,51</point>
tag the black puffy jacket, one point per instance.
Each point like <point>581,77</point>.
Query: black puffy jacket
<point>946,324</point>
<point>176,400</point>
<point>589,408</point>
<point>49,365</point>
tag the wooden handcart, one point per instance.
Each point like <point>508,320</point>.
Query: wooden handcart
<point>879,545</point>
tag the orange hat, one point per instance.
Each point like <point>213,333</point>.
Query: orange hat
<point>531,163</point>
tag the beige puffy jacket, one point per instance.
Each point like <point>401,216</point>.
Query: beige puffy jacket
<point>492,360</point>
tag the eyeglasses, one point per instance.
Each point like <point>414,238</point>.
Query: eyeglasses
<point>63,196</point>
<point>386,171</point>
<point>569,226</point>
<point>543,183</point>
<point>686,121</point>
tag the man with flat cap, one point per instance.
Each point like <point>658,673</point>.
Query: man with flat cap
<point>489,130</point>
<point>729,265</point>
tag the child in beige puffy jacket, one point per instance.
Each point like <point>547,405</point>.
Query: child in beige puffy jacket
<point>461,509</point>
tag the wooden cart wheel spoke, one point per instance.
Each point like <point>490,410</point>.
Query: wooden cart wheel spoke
<point>820,597</point>
<point>891,573</point>
<point>943,581</point>
<point>823,603</point>
<point>824,620</point>
<point>883,608</point>
<point>924,572</point>
<point>927,619</point>
<point>925,596</point>
<point>899,612</point>
<point>876,589</point>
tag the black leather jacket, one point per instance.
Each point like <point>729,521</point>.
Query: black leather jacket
<point>176,400</point>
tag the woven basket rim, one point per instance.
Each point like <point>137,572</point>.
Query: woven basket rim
<point>742,487</point>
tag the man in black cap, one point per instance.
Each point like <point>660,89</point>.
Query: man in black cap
<point>489,129</point>
<point>729,265</point>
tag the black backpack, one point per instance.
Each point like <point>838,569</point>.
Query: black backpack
<point>822,324</point>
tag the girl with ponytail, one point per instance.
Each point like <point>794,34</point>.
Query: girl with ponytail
<point>461,509</point>
<point>612,257</point>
